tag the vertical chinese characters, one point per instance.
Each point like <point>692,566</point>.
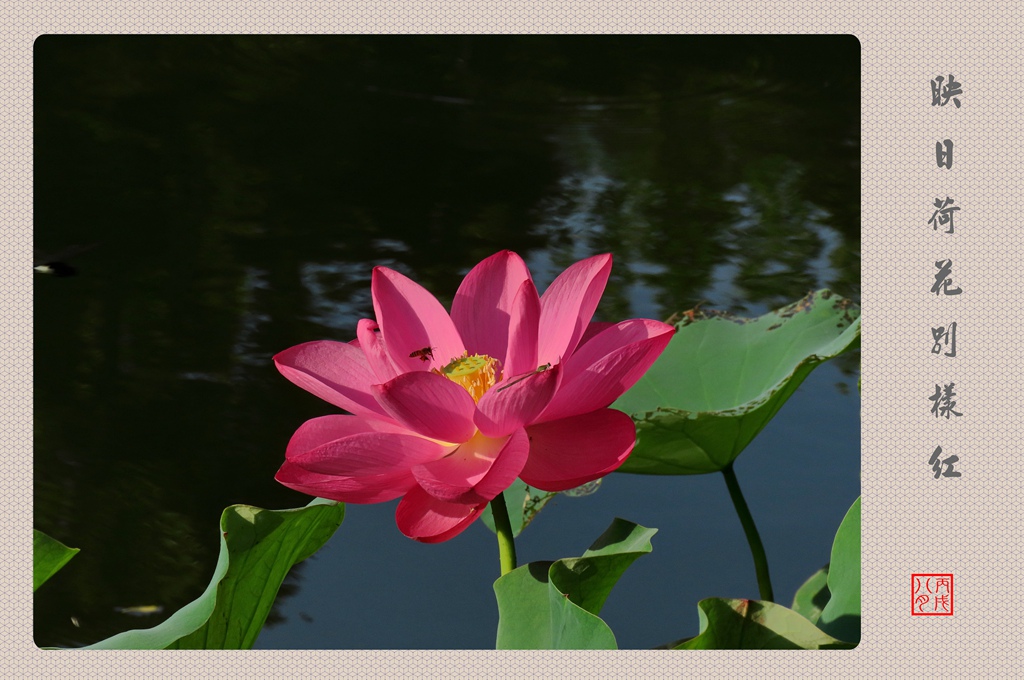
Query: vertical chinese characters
<point>944,91</point>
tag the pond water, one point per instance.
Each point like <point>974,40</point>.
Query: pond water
<point>223,198</point>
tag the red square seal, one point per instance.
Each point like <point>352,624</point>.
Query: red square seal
<point>931,595</point>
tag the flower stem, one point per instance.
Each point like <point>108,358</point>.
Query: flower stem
<point>503,527</point>
<point>764,582</point>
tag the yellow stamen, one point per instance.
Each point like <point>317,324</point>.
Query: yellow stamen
<point>475,373</point>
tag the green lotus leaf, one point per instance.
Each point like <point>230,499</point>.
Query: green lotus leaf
<point>841,616</point>
<point>555,605</point>
<point>812,596</point>
<point>257,549</point>
<point>722,378</point>
<point>752,624</point>
<point>48,556</point>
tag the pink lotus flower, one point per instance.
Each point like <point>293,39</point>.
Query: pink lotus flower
<point>447,410</point>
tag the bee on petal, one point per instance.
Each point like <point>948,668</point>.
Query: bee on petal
<point>425,354</point>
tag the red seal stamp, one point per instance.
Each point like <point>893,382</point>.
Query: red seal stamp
<point>931,595</point>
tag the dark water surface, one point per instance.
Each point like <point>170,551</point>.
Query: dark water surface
<point>224,198</point>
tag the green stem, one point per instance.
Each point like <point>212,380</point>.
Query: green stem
<point>764,582</point>
<point>503,527</point>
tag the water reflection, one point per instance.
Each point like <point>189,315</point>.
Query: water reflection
<point>776,240</point>
<point>243,188</point>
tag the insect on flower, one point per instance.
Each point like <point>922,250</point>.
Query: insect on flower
<point>425,354</point>
<point>583,489</point>
<point>540,369</point>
